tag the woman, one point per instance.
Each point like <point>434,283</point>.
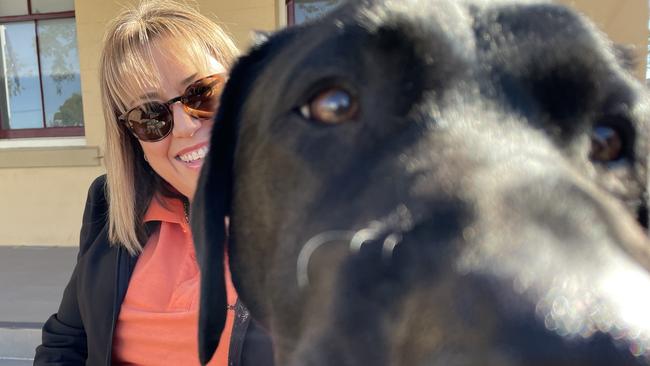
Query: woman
<point>133,295</point>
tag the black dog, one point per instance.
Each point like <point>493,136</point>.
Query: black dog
<point>446,182</point>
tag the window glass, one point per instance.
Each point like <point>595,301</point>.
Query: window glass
<point>13,7</point>
<point>21,102</point>
<point>51,6</point>
<point>57,40</point>
<point>306,10</point>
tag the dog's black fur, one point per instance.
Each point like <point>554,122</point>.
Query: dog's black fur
<point>453,214</point>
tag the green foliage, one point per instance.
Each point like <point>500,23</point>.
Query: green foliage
<point>70,114</point>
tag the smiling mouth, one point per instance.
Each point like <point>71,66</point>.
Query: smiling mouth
<point>194,156</point>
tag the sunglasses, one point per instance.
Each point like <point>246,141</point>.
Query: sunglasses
<point>153,121</point>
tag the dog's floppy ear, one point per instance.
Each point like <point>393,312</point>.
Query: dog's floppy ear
<point>210,207</point>
<point>212,201</point>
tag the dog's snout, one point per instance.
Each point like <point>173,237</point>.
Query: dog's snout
<point>550,216</point>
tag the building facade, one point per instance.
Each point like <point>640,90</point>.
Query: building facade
<point>51,123</point>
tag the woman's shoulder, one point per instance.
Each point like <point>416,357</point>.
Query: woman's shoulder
<point>97,188</point>
<point>99,181</point>
<point>96,202</point>
<point>95,217</point>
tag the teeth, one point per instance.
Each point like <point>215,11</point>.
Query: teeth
<point>194,155</point>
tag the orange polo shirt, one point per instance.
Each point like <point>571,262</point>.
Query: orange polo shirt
<point>158,320</point>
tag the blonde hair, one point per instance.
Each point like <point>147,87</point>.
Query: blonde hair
<point>127,67</point>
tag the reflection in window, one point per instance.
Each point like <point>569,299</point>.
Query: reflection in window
<point>12,7</point>
<point>51,6</point>
<point>60,72</point>
<point>306,10</point>
<point>21,95</point>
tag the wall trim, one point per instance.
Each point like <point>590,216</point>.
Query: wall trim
<point>43,142</point>
<point>281,14</point>
<point>50,157</point>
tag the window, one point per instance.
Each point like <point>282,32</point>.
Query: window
<point>40,89</point>
<point>300,11</point>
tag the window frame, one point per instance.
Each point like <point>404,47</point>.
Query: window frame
<point>291,12</point>
<point>44,131</point>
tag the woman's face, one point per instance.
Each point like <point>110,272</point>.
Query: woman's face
<point>178,157</point>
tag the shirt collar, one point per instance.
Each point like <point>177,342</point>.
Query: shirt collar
<point>165,209</point>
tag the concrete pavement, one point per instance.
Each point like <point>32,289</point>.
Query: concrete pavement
<point>32,280</point>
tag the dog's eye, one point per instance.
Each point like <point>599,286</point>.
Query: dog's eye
<point>606,145</point>
<point>331,106</point>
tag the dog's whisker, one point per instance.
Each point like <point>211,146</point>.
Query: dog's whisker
<point>302,265</point>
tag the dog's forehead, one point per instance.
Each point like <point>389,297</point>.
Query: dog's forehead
<point>449,19</point>
<point>472,32</point>
<point>453,19</point>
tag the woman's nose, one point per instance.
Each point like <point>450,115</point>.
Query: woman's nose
<point>184,124</point>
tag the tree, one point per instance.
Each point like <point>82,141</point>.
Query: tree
<point>58,42</point>
<point>70,114</point>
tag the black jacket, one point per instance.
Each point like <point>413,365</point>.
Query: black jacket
<point>81,332</point>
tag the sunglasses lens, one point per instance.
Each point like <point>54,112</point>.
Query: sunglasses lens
<point>153,121</point>
<point>150,121</point>
<point>201,99</point>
